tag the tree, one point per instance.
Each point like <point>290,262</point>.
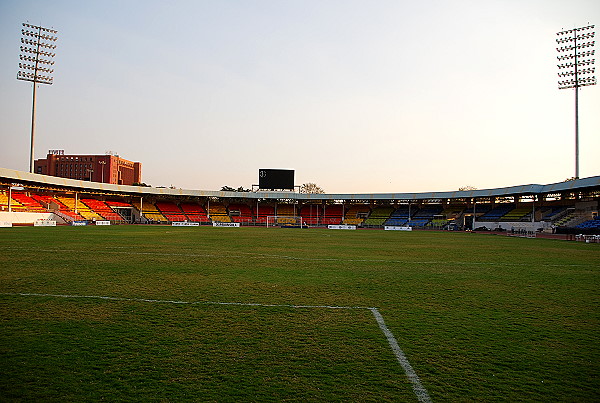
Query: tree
<point>574,178</point>
<point>230,189</point>
<point>312,188</point>
<point>468,187</point>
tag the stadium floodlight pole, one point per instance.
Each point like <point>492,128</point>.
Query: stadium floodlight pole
<point>36,60</point>
<point>576,63</point>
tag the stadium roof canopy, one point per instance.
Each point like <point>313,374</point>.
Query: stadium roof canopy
<point>14,177</point>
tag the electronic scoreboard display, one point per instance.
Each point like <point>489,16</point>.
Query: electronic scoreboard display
<point>276,179</point>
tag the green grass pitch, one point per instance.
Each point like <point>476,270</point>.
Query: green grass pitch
<point>479,317</point>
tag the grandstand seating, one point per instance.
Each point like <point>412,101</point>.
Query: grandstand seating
<point>112,203</point>
<point>479,209</point>
<point>551,213</point>
<point>565,219</point>
<point>378,216</point>
<point>287,209</point>
<point>125,210</point>
<point>518,214</point>
<point>218,212</point>
<point>240,213</point>
<point>590,224</point>
<point>262,213</point>
<point>425,215</point>
<point>356,214</point>
<point>400,216</point>
<point>311,214</point>
<point>54,203</point>
<point>82,209</point>
<point>333,214</point>
<point>92,207</point>
<point>171,211</point>
<point>452,212</point>
<point>149,211</point>
<point>418,222</point>
<point>14,205</point>
<point>48,201</point>
<point>438,223</point>
<point>496,213</point>
<point>446,216</point>
<point>413,216</point>
<point>102,209</point>
<point>194,212</point>
<point>29,203</point>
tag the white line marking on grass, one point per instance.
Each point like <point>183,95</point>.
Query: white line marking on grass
<point>417,386</point>
<point>163,301</point>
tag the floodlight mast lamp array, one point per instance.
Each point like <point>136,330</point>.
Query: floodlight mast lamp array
<point>576,55</point>
<point>35,65</point>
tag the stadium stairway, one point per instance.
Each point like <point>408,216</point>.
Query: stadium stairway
<point>240,213</point>
<point>171,211</point>
<point>518,214</point>
<point>400,216</point>
<point>194,212</point>
<point>356,214</point>
<point>149,212</point>
<point>425,215</point>
<point>101,208</point>
<point>29,203</point>
<point>54,204</point>
<point>287,210</point>
<point>81,208</point>
<point>218,213</point>
<point>378,216</point>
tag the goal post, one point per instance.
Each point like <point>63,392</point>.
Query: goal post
<point>285,221</point>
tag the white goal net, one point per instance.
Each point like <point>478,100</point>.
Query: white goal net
<point>284,221</point>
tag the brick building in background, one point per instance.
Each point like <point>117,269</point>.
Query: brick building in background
<point>95,168</point>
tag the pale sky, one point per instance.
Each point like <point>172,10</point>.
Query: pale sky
<point>356,96</point>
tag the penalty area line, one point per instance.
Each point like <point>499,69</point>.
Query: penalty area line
<point>418,388</point>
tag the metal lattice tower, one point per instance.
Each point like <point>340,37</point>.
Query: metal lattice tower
<point>576,55</point>
<point>37,46</point>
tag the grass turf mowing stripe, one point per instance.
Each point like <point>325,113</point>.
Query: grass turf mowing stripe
<point>246,255</point>
<point>418,388</point>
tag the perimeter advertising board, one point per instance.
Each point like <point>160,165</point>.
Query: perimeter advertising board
<point>44,223</point>
<point>396,228</point>
<point>341,226</point>
<point>226,224</point>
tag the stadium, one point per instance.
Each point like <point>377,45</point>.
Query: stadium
<point>391,286</point>
<point>127,292</point>
<point>569,207</point>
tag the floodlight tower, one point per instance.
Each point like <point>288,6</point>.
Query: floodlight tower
<point>36,60</point>
<point>576,68</point>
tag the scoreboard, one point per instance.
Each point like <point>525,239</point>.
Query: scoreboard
<point>276,179</point>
